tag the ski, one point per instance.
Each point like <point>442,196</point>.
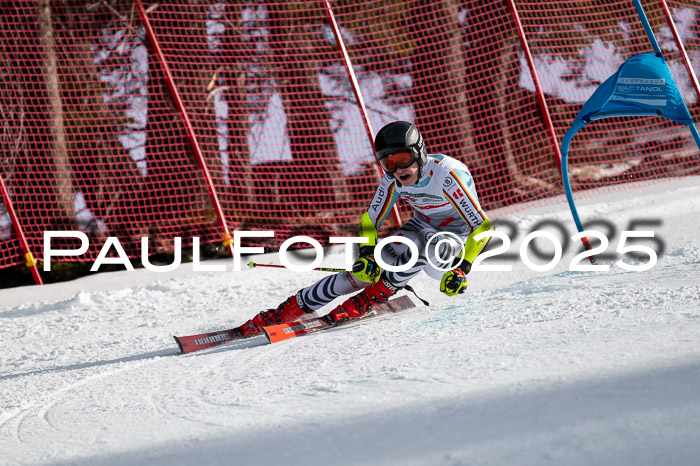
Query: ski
<point>275,333</point>
<point>190,343</point>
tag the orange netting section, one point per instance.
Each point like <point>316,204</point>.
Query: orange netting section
<point>93,138</point>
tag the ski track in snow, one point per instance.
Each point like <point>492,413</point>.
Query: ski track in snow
<point>528,367</point>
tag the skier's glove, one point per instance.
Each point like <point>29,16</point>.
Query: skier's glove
<point>454,282</point>
<point>365,268</point>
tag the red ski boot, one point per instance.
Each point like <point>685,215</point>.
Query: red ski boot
<point>362,302</point>
<point>288,311</point>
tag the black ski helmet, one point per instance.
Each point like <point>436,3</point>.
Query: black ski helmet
<point>400,136</point>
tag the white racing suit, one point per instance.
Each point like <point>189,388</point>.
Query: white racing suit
<point>444,201</point>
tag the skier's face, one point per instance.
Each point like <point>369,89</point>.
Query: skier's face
<point>408,176</point>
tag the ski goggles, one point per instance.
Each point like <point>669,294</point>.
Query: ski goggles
<point>402,159</point>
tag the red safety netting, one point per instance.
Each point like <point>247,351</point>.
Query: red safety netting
<point>93,137</point>
<point>91,140</point>
<point>452,68</point>
<point>578,45</point>
<point>254,78</point>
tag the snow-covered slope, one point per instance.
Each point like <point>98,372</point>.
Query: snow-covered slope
<point>528,367</point>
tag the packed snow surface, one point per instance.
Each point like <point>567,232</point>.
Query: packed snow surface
<point>557,367</point>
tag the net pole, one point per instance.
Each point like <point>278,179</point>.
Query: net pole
<point>548,121</point>
<point>686,62</point>
<point>358,96</point>
<point>30,261</point>
<point>541,102</point>
<point>191,136</point>
<point>681,47</point>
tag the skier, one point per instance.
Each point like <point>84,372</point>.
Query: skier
<point>442,193</point>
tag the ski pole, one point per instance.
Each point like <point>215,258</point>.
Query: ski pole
<point>252,265</point>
